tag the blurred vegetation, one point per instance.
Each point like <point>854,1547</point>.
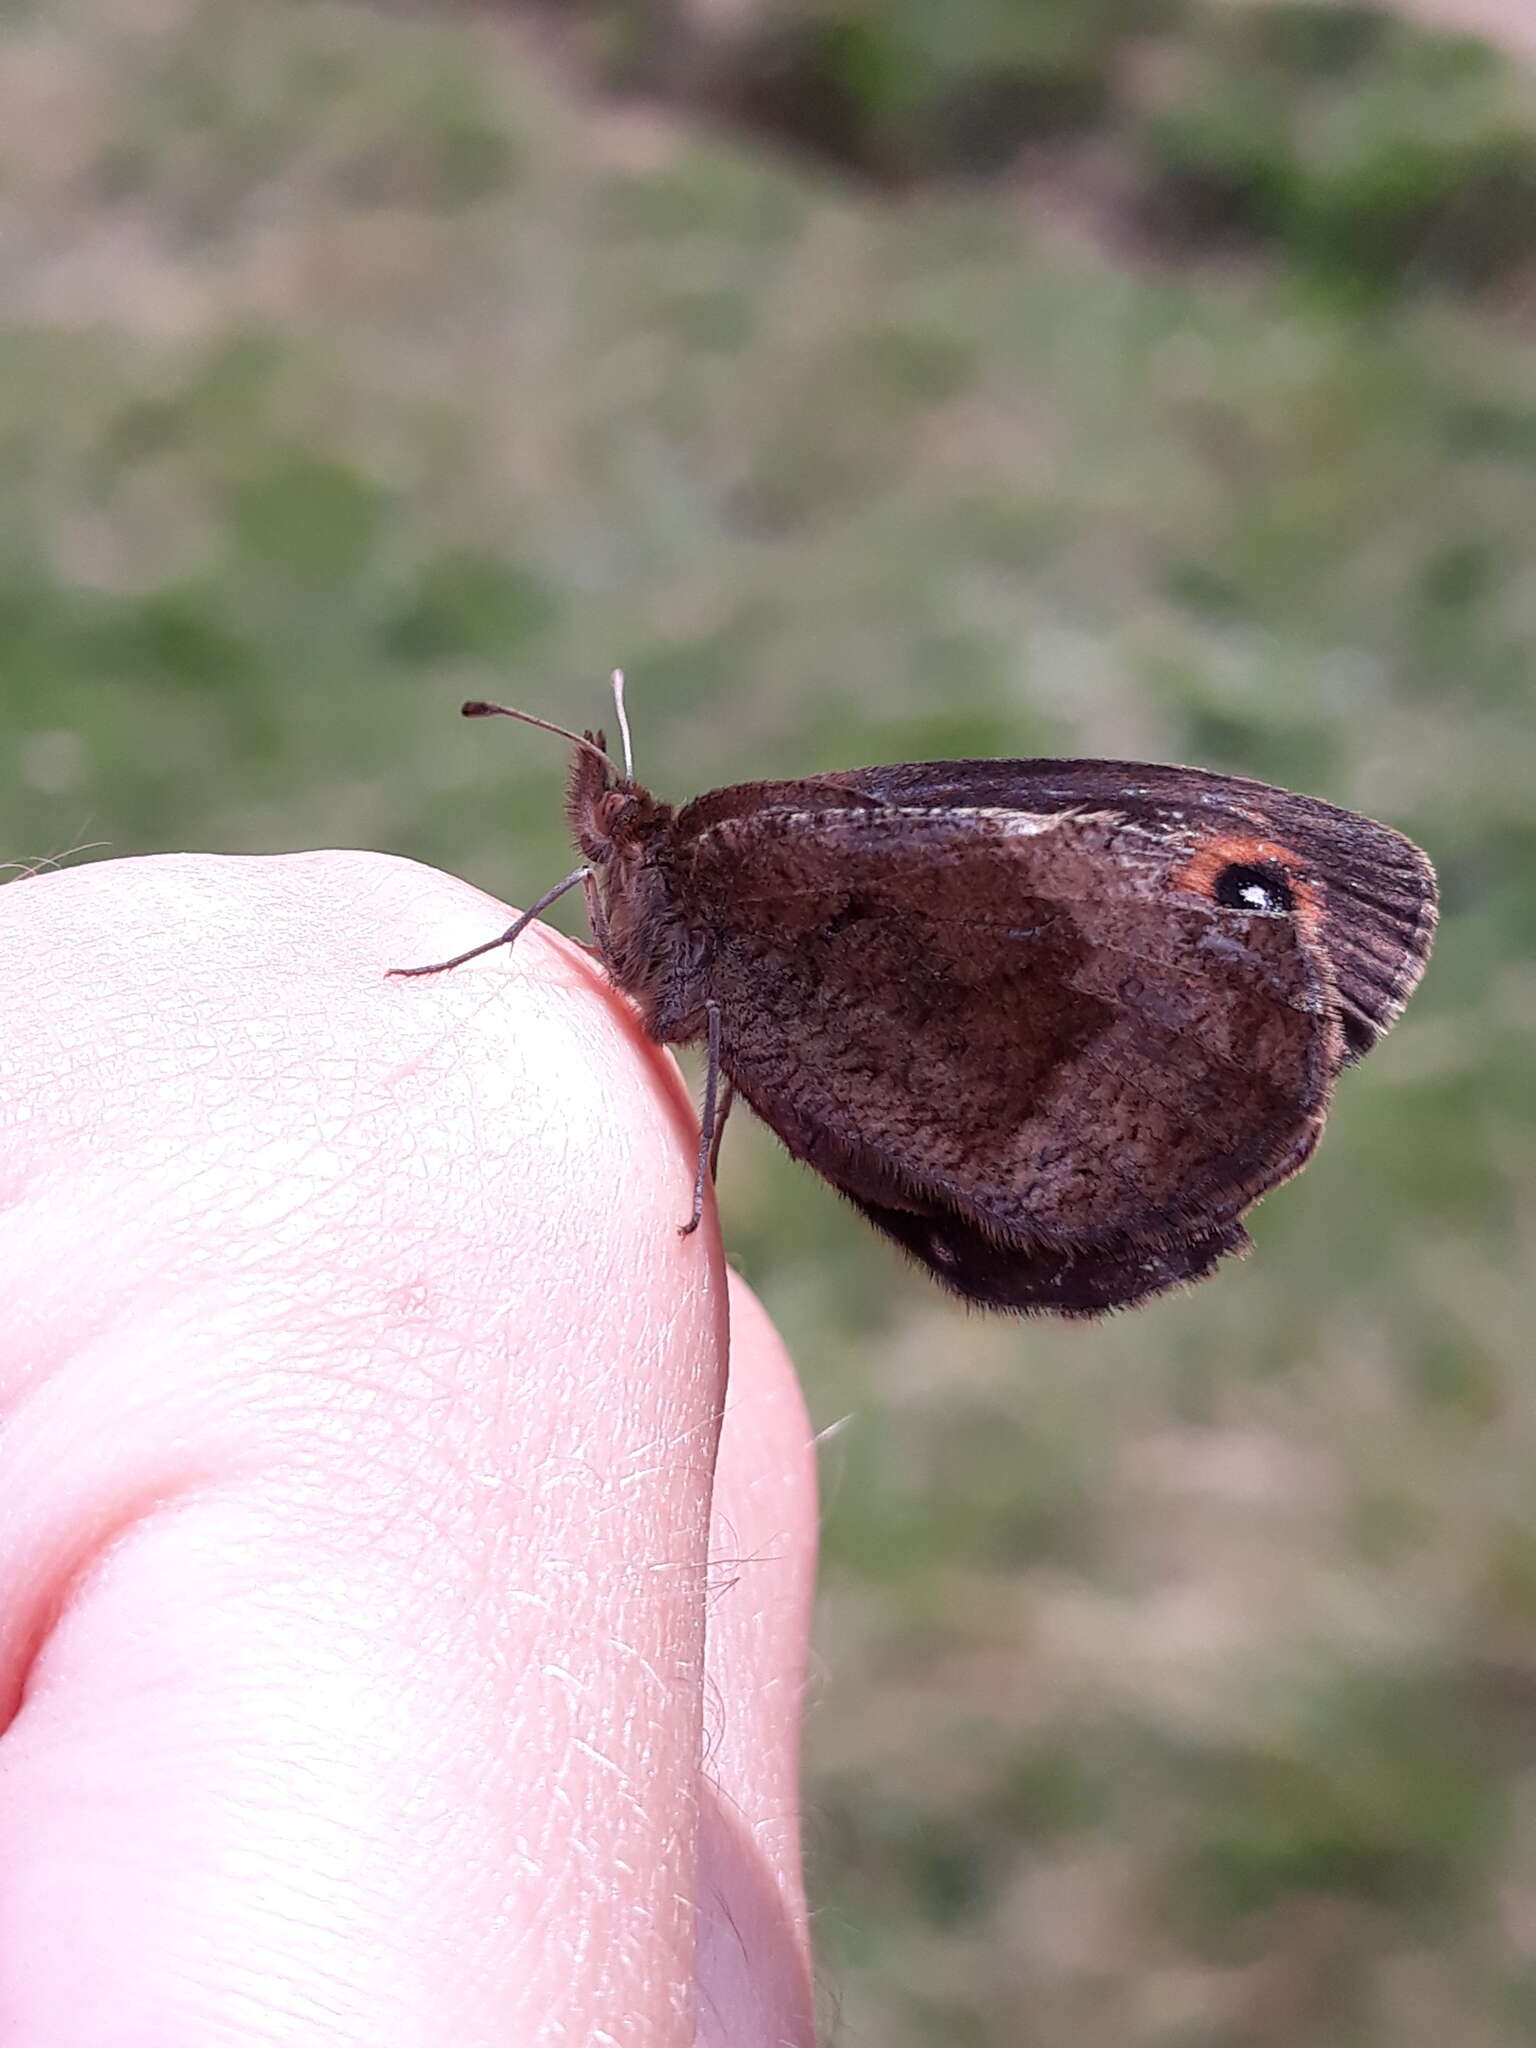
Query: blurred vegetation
<point>1177,1675</point>
<point>1367,151</point>
<point>892,88</point>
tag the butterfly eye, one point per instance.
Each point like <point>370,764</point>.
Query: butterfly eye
<point>1254,888</point>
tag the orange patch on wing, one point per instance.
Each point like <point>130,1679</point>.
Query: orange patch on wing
<point>1201,873</point>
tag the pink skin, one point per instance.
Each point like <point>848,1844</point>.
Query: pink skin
<point>389,1660</point>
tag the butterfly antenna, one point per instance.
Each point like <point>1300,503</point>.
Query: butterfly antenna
<point>478,709</point>
<point>619,712</point>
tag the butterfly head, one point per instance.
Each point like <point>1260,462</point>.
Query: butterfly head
<point>613,818</point>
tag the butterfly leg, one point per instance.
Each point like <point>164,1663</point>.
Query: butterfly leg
<point>596,917</point>
<point>727,1098</point>
<point>711,1124</point>
<point>510,935</point>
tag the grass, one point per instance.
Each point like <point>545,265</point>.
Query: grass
<point>1177,1676</point>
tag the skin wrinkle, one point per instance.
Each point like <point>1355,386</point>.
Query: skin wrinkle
<point>56,1594</point>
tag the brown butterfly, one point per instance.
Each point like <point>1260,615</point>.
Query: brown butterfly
<point>1053,1026</point>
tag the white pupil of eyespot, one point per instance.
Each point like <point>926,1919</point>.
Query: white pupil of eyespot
<point>1256,894</point>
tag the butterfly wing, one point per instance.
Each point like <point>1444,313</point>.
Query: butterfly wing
<point>1016,1015</point>
<point>1034,1279</point>
<point>1372,891</point>
<point>1031,1044</point>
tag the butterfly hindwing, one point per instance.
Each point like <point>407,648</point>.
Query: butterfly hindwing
<point>1033,1279</point>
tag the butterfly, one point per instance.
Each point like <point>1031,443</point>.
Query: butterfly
<point>1052,1026</point>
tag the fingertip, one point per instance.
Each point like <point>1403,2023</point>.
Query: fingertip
<point>365,1255</point>
<point>636,1086</point>
<point>754,1940</point>
<point>767,1447</point>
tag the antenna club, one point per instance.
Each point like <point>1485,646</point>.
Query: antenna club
<point>478,708</point>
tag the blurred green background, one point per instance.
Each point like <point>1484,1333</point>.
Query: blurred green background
<point>884,380</point>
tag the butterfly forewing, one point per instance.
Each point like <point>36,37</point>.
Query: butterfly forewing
<point>1377,889</point>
